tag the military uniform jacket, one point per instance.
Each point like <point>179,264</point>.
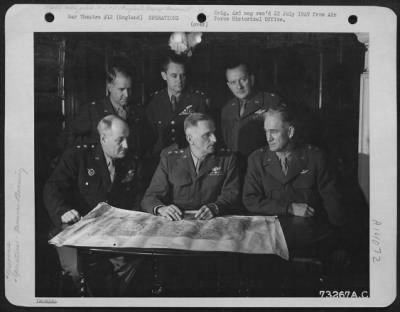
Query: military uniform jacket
<point>84,127</point>
<point>176,182</point>
<point>268,191</point>
<point>82,180</point>
<point>167,126</point>
<point>246,133</point>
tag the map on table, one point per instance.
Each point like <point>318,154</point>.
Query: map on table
<point>107,226</point>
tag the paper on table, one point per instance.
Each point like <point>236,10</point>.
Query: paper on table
<point>107,226</point>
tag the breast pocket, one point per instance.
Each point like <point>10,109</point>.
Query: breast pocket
<point>182,186</point>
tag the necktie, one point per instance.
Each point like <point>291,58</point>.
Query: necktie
<point>284,164</point>
<point>111,169</point>
<point>242,107</point>
<point>174,101</point>
<point>198,166</point>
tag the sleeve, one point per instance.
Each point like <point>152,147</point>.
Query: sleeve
<point>158,192</point>
<point>254,198</point>
<point>331,198</point>
<point>228,200</point>
<point>59,186</point>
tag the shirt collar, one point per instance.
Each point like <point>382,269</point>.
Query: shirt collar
<point>109,160</point>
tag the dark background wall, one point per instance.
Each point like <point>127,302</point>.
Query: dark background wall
<point>319,73</point>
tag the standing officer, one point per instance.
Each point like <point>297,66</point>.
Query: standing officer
<point>169,107</point>
<point>118,102</point>
<point>241,118</point>
<point>84,177</point>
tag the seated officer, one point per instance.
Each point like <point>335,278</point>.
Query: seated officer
<point>84,177</point>
<point>198,177</point>
<point>287,178</point>
<point>201,178</point>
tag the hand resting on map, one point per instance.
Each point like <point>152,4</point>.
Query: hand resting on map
<point>173,213</point>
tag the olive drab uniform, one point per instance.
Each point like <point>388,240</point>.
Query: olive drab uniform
<point>166,122</point>
<point>309,179</point>
<point>176,182</point>
<point>244,133</point>
<point>80,181</point>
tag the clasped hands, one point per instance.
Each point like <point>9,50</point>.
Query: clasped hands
<point>173,213</point>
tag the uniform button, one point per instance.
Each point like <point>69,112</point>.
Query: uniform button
<point>172,130</point>
<point>84,145</point>
<point>86,183</point>
<point>173,139</point>
<point>159,122</point>
<point>172,122</point>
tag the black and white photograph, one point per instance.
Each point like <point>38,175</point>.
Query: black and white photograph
<point>194,163</point>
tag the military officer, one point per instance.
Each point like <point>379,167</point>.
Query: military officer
<point>294,182</point>
<point>287,179</point>
<point>85,176</point>
<point>198,177</point>
<point>241,118</point>
<point>118,102</point>
<point>169,107</point>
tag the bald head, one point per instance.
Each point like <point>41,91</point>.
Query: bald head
<point>113,132</point>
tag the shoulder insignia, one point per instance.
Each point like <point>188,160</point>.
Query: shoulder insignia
<point>93,103</point>
<point>174,152</point>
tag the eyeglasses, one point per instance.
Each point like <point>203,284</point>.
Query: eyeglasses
<point>241,81</point>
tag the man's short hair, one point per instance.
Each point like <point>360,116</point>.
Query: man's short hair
<point>285,111</point>
<point>236,62</point>
<point>106,123</point>
<point>119,66</point>
<point>193,119</point>
<point>174,58</point>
